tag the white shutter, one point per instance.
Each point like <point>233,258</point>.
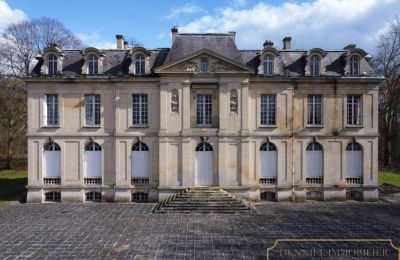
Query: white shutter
<point>268,167</point>
<point>204,168</point>
<point>44,115</point>
<point>52,164</point>
<point>93,164</point>
<point>314,164</point>
<point>354,164</point>
<point>140,164</point>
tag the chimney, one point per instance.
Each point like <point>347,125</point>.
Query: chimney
<point>174,32</point>
<point>287,43</point>
<point>233,36</point>
<point>126,45</point>
<point>120,41</point>
<point>268,43</point>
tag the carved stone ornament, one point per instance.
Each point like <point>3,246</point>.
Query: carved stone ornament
<point>234,101</point>
<point>175,101</point>
<point>189,66</point>
<point>219,67</point>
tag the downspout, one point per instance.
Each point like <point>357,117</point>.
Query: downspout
<point>292,126</point>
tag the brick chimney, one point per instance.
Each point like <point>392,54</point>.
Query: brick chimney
<point>287,43</point>
<point>120,41</point>
<point>174,32</point>
<point>233,36</point>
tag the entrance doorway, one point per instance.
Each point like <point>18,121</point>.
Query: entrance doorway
<point>204,172</point>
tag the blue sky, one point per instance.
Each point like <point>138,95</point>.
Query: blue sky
<point>329,24</point>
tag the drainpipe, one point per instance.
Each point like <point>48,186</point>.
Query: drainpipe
<point>292,125</point>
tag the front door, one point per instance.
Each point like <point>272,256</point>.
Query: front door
<point>204,165</point>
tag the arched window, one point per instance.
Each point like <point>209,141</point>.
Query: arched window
<point>52,64</point>
<point>268,65</point>
<point>354,65</point>
<point>140,161</point>
<point>93,64</point>
<point>92,160</point>
<point>354,160</point>
<point>268,160</point>
<point>314,65</point>
<point>139,64</point>
<point>314,156</point>
<point>52,160</point>
<point>204,147</point>
<point>204,65</point>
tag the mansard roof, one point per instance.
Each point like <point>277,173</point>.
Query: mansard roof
<point>291,62</point>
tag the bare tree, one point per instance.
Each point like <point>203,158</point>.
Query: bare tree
<point>12,114</point>
<point>22,41</point>
<point>387,63</point>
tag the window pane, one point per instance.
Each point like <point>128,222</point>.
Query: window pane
<point>354,110</point>
<point>139,109</point>
<point>52,109</point>
<point>268,110</point>
<point>92,108</point>
<point>204,110</point>
<point>314,110</point>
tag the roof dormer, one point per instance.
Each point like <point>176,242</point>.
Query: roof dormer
<point>93,61</point>
<point>52,60</point>
<point>140,64</point>
<point>356,64</point>
<point>268,62</point>
<point>314,62</point>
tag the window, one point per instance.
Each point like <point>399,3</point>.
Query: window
<point>93,64</point>
<point>314,163</point>
<point>314,110</point>
<point>204,147</point>
<point>204,110</point>
<point>354,110</point>
<point>92,146</point>
<point>50,110</point>
<point>52,65</point>
<point>268,110</point>
<point>92,109</point>
<point>268,65</point>
<point>93,196</point>
<point>204,65</point>
<point>354,157</point>
<point>53,196</point>
<point>140,147</point>
<point>139,64</point>
<point>140,197</point>
<point>354,65</point>
<point>139,109</point>
<point>51,146</point>
<point>314,65</point>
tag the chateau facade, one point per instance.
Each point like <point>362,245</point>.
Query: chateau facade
<point>137,124</point>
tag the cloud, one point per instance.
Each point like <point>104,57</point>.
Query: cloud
<point>239,3</point>
<point>329,24</point>
<point>189,8</point>
<point>9,16</point>
<point>93,39</point>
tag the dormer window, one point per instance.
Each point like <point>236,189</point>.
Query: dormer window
<point>315,65</point>
<point>52,64</point>
<point>204,65</point>
<point>354,65</point>
<point>139,64</point>
<point>268,65</point>
<point>93,64</point>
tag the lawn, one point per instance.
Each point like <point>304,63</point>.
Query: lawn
<point>389,177</point>
<point>12,185</point>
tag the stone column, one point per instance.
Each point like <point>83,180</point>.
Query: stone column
<point>245,107</point>
<point>186,106</point>
<point>163,108</point>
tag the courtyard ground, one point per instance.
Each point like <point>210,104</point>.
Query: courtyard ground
<point>132,231</point>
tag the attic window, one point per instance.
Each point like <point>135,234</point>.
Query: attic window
<point>268,65</point>
<point>204,65</point>
<point>93,65</point>
<point>354,65</point>
<point>52,64</point>
<point>139,64</point>
<point>314,65</point>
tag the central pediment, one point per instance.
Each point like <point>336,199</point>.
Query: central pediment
<point>203,61</point>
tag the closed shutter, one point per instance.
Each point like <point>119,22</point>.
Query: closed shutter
<point>354,164</point>
<point>44,115</point>
<point>268,168</point>
<point>93,164</point>
<point>314,164</point>
<point>52,164</point>
<point>204,168</point>
<point>140,164</point>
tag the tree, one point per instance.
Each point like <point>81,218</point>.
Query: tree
<point>22,41</point>
<point>387,64</point>
<point>12,113</point>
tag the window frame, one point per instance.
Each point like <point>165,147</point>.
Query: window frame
<point>354,64</point>
<point>52,65</point>
<point>205,103</point>
<point>351,115</point>
<point>53,109</point>
<point>268,65</point>
<point>141,110</point>
<point>266,122</point>
<point>140,64</point>
<point>95,109</point>
<point>93,65</point>
<point>314,104</point>
<point>315,65</point>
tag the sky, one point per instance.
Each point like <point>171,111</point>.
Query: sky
<point>327,24</point>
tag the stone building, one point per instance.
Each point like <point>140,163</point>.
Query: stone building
<point>137,124</point>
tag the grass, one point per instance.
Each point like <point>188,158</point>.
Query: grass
<point>389,177</point>
<point>12,185</point>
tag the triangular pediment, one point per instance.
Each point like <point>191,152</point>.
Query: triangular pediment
<point>195,63</point>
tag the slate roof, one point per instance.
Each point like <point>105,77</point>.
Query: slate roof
<point>116,62</point>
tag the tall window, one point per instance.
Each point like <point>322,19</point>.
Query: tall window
<point>268,110</point>
<point>354,110</point>
<point>52,66</point>
<point>204,65</point>
<point>92,108</point>
<point>140,109</point>
<point>314,65</point>
<point>354,65</point>
<point>314,110</point>
<point>93,65</point>
<point>204,110</point>
<point>268,65</point>
<point>50,108</point>
<point>139,64</point>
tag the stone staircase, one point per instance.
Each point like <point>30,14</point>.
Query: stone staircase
<point>202,200</point>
